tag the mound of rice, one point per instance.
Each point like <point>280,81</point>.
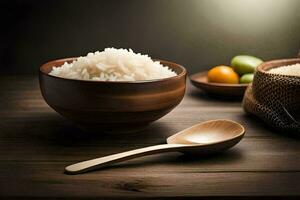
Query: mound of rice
<point>113,65</point>
<point>289,70</point>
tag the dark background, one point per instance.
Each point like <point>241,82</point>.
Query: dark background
<point>195,33</point>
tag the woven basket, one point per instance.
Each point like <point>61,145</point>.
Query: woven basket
<point>275,98</point>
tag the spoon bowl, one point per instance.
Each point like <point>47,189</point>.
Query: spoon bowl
<point>209,137</point>
<point>203,138</point>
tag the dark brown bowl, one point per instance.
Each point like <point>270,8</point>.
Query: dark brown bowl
<point>112,106</point>
<point>200,81</point>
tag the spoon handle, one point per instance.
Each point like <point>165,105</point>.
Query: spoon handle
<point>119,157</point>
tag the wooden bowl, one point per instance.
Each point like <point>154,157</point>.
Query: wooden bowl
<point>219,89</point>
<point>112,106</point>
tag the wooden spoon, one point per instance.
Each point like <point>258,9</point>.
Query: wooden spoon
<point>203,138</point>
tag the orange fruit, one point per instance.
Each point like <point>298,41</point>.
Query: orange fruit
<point>223,74</point>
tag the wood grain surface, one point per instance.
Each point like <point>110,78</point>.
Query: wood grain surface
<point>36,144</point>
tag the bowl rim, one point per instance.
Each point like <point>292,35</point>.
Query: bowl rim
<point>178,76</point>
<point>265,66</point>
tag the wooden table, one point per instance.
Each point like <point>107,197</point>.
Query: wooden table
<point>36,144</point>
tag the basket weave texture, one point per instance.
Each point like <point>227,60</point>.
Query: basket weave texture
<point>275,98</point>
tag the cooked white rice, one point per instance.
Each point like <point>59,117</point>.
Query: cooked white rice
<point>113,65</point>
<point>290,70</point>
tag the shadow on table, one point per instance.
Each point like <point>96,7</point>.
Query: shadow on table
<point>205,96</point>
<point>203,161</point>
<point>52,129</point>
<point>268,129</point>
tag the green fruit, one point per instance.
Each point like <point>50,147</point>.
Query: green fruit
<point>244,64</point>
<point>247,78</point>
